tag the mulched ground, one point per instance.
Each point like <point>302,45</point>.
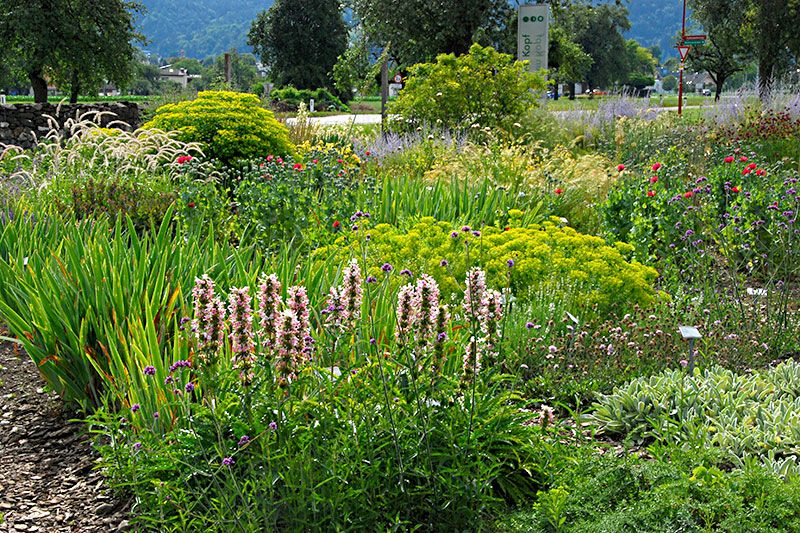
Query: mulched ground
<point>48,479</point>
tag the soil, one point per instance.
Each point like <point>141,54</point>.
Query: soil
<point>48,476</point>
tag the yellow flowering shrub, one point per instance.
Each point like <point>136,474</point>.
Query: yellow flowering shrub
<point>229,125</point>
<point>595,274</point>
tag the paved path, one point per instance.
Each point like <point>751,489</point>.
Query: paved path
<point>376,118</point>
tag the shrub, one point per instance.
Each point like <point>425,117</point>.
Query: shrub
<point>483,87</point>
<point>230,125</point>
<point>594,276</point>
<point>289,99</point>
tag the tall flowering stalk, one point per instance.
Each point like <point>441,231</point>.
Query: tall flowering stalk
<point>492,314</point>
<point>474,293</point>
<point>242,344</point>
<point>287,342</point>
<point>406,313</point>
<point>426,304</point>
<point>269,305</point>
<point>352,292</point>
<point>208,325</point>
<point>475,312</point>
<point>440,329</point>
<point>335,310</point>
<point>297,301</point>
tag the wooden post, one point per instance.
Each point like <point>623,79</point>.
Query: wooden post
<point>384,91</point>
<point>228,73</point>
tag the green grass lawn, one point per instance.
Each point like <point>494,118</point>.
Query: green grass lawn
<point>586,103</point>
<point>82,99</point>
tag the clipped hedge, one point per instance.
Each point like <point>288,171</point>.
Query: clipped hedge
<point>289,99</point>
<point>230,125</point>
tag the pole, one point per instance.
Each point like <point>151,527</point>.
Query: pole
<point>384,91</point>
<point>228,69</point>
<point>683,24</point>
<point>680,92</point>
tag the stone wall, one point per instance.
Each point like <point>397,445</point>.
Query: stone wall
<point>23,124</point>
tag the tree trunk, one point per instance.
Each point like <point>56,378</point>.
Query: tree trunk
<point>74,88</point>
<point>720,81</point>
<point>572,90</point>
<point>766,73</point>
<point>39,85</point>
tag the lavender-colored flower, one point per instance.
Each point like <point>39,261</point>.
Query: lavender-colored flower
<point>476,233</point>
<point>137,446</point>
<point>406,313</point>
<point>183,363</point>
<point>465,229</point>
<point>273,425</point>
<point>443,263</point>
<point>269,305</point>
<point>287,342</point>
<point>453,235</point>
<point>530,325</point>
<point>406,272</point>
<point>227,461</point>
<point>243,440</point>
<point>242,344</point>
<point>189,387</point>
<point>510,263</point>
<point>135,407</point>
<point>297,301</point>
<point>386,267</point>
<point>156,415</point>
<point>372,279</point>
<point>149,371</point>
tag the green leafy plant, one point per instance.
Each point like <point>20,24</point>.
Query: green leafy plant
<point>483,88</point>
<point>229,125</point>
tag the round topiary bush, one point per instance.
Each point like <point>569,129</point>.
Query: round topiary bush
<point>229,125</point>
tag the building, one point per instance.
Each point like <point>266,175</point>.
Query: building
<point>180,76</point>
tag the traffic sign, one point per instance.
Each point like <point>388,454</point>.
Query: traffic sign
<point>683,51</point>
<point>398,78</point>
<point>695,37</point>
<point>692,43</point>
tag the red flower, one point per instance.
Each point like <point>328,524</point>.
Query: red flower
<point>315,161</point>
<point>654,179</point>
<point>340,161</point>
<point>507,228</point>
<point>651,193</point>
<point>184,159</point>
<point>729,159</point>
<point>280,160</point>
<point>735,189</point>
<point>688,194</point>
<point>297,166</point>
<point>270,157</point>
<point>743,159</point>
<point>190,205</point>
<point>558,191</point>
<point>336,224</point>
<point>760,172</point>
<point>367,153</point>
<point>620,167</point>
<point>746,171</point>
<point>656,166</point>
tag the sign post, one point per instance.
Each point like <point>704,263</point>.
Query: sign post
<point>532,35</point>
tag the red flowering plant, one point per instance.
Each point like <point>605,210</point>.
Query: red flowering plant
<point>308,199</point>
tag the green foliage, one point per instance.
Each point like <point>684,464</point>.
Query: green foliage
<point>592,274</point>
<point>82,45</point>
<point>482,87</point>
<point>229,125</point>
<point>683,492</point>
<point>300,40</point>
<point>744,415</point>
<point>289,98</point>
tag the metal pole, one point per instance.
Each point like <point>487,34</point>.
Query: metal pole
<point>683,24</point>
<point>680,92</point>
<point>691,356</point>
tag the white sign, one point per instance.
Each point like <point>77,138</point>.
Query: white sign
<point>532,35</point>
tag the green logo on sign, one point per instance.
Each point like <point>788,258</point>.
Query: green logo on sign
<point>525,19</point>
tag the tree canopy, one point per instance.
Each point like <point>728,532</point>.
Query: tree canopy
<point>300,41</point>
<point>75,43</point>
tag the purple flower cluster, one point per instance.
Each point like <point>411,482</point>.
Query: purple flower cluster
<point>208,325</point>
<point>269,304</point>
<point>287,341</point>
<point>344,301</point>
<point>242,344</point>
<point>484,308</point>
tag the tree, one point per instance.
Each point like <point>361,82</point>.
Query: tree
<point>641,66</point>
<point>76,43</point>
<point>768,27</point>
<point>419,30</point>
<point>300,40</point>
<point>243,73</point>
<point>726,52</point>
<point>669,83</point>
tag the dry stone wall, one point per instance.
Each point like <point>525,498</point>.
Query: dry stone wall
<point>24,124</point>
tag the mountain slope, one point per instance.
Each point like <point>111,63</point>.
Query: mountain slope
<point>199,28</point>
